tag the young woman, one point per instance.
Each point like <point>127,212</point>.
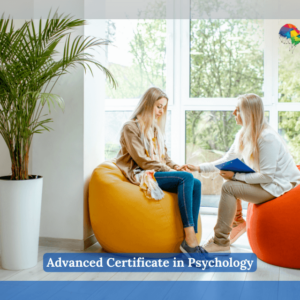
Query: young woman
<point>144,153</point>
<point>264,151</point>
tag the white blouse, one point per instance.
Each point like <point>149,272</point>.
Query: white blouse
<point>278,172</point>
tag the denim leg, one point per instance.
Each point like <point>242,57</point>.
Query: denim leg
<point>181,183</point>
<point>196,202</point>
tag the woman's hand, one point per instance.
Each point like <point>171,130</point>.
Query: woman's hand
<point>227,174</point>
<point>189,168</point>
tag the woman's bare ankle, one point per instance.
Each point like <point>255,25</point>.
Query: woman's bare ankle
<point>191,242</point>
<point>190,237</point>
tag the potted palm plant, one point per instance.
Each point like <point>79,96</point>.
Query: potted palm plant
<point>28,73</point>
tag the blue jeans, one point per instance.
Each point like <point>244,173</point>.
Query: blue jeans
<point>189,194</point>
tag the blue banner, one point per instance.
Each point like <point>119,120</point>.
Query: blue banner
<point>136,290</point>
<point>158,262</point>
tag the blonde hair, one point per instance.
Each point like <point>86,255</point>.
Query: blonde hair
<point>145,116</point>
<point>254,122</point>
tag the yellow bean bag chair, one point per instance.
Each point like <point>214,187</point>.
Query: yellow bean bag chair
<point>125,221</point>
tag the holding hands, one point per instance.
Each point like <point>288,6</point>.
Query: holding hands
<point>186,168</point>
<point>189,168</point>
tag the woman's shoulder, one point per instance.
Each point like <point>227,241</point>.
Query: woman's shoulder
<point>269,135</point>
<point>268,132</point>
<point>130,125</point>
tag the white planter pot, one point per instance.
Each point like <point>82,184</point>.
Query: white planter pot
<point>20,211</point>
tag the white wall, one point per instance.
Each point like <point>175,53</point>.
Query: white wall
<point>58,157</point>
<point>94,113</point>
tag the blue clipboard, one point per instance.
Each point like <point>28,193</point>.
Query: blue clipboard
<point>235,165</point>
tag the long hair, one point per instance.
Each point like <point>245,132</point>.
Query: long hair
<point>254,122</point>
<point>145,116</point>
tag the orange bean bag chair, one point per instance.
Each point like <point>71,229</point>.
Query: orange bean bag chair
<point>272,229</point>
<point>125,221</point>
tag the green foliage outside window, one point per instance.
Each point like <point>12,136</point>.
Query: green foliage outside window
<point>226,60</point>
<point>148,68</point>
<point>289,128</point>
<point>209,130</point>
<point>288,74</point>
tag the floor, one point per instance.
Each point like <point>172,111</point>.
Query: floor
<point>265,272</point>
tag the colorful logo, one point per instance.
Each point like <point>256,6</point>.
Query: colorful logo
<point>289,34</point>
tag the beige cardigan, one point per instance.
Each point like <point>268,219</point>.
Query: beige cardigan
<point>133,154</point>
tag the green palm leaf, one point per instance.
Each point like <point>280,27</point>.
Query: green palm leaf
<point>28,74</point>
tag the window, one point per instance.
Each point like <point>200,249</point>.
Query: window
<point>114,121</point>
<point>288,112</point>
<point>203,65</point>
<point>138,56</point>
<point>226,58</point>
<point>138,59</point>
<point>289,128</point>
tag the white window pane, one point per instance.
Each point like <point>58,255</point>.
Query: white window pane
<point>289,128</point>
<point>226,58</point>
<point>137,56</point>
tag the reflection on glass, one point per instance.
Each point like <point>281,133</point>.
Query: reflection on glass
<point>137,57</point>
<point>226,58</point>
<point>288,68</point>
<point>114,121</point>
<point>289,128</point>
